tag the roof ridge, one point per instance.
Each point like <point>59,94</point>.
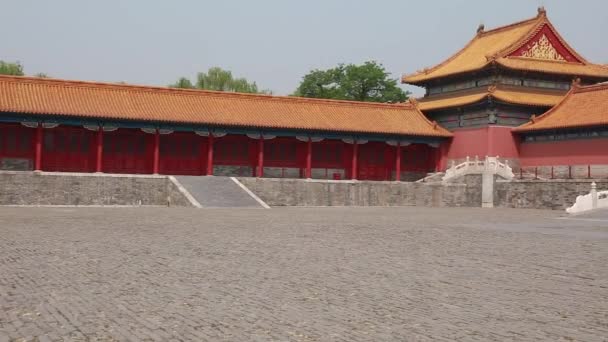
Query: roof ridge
<point>479,35</point>
<point>543,20</point>
<point>510,26</point>
<point>543,116</point>
<point>428,70</point>
<point>191,92</point>
<point>592,87</point>
<point>434,124</point>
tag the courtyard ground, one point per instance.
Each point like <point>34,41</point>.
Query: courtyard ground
<point>302,274</point>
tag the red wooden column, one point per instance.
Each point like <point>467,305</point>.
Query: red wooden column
<point>398,161</point>
<point>353,171</point>
<point>99,150</point>
<point>210,155</point>
<point>260,168</point>
<point>309,158</point>
<point>156,158</point>
<point>38,151</point>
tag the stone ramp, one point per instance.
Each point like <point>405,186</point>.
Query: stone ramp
<point>218,192</point>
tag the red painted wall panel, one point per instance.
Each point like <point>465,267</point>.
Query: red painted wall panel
<point>68,149</point>
<point>284,152</point>
<point>485,141</point>
<point>374,162</point>
<point>502,142</point>
<point>127,151</point>
<point>235,150</point>
<point>17,141</point>
<point>131,151</point>
<point>182,153</point>
<point>568,152</point>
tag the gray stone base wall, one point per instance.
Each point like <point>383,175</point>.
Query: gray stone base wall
<point>410,176</point>
<point>539,194</point>
<point>33,188</point>
<point>16,164</point>
<point>282,172</point>
<point>232,171</point>
<point>578,172</point>
<point>299,192</point>
<point>318,173</point>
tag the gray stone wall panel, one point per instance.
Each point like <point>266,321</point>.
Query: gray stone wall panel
<point>31,188</point>
<point>298,192</point>
<point>542,194</point>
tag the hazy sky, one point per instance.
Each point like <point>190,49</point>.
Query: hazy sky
<point>274,42</point>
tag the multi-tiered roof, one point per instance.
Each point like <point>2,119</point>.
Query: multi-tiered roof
<point>529,45</point>
<point>532,46</point>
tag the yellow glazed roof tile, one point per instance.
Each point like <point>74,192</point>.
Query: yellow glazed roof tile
<point>502,93</point>
<point>126,102</point>
<point>495,46</point>
<point>581,107</point>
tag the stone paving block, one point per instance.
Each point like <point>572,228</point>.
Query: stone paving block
<point>302,274</point>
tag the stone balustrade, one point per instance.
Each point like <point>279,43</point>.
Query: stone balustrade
<point>593,200</point>
<point>489,165</point>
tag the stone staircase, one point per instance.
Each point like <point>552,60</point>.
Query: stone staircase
<point>219,192</point>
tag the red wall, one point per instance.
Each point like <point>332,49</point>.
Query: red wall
<point>481,142</point>
<point>182,153</point>
<point>71,148</point>
<point>568,152</point>
<point>68,149</point>
<point>17,141</point>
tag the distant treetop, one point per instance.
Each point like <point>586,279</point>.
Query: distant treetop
<point>367,82</point>
<point>219,79</point>
<point>14,69</point>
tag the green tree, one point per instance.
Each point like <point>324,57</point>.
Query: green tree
<point>182,83</point>
<point>221,80</point>
<point>367,82</point>
<point>15,69</point>
<point>41,75</point>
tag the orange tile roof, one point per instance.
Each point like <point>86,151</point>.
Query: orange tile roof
<point>523,97</point>
<point>494,46</point>
<point>554,67</point>
<point>581,107</point>
<point>455,100</point>
<point>127,102</point>
<point>502,93</point>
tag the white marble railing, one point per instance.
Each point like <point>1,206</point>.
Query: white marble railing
<point>470,167</point>
<point>593,200</point>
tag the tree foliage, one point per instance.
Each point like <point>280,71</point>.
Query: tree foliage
<point>182,83</point>
<point>219,79</point>
<point>367,82</point>
<point>14,69</point>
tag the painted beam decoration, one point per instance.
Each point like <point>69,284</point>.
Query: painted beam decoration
<point>543,49</point>
<point>545,45</point>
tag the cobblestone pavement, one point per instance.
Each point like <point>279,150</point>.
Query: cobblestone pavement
<point>308,274</point>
